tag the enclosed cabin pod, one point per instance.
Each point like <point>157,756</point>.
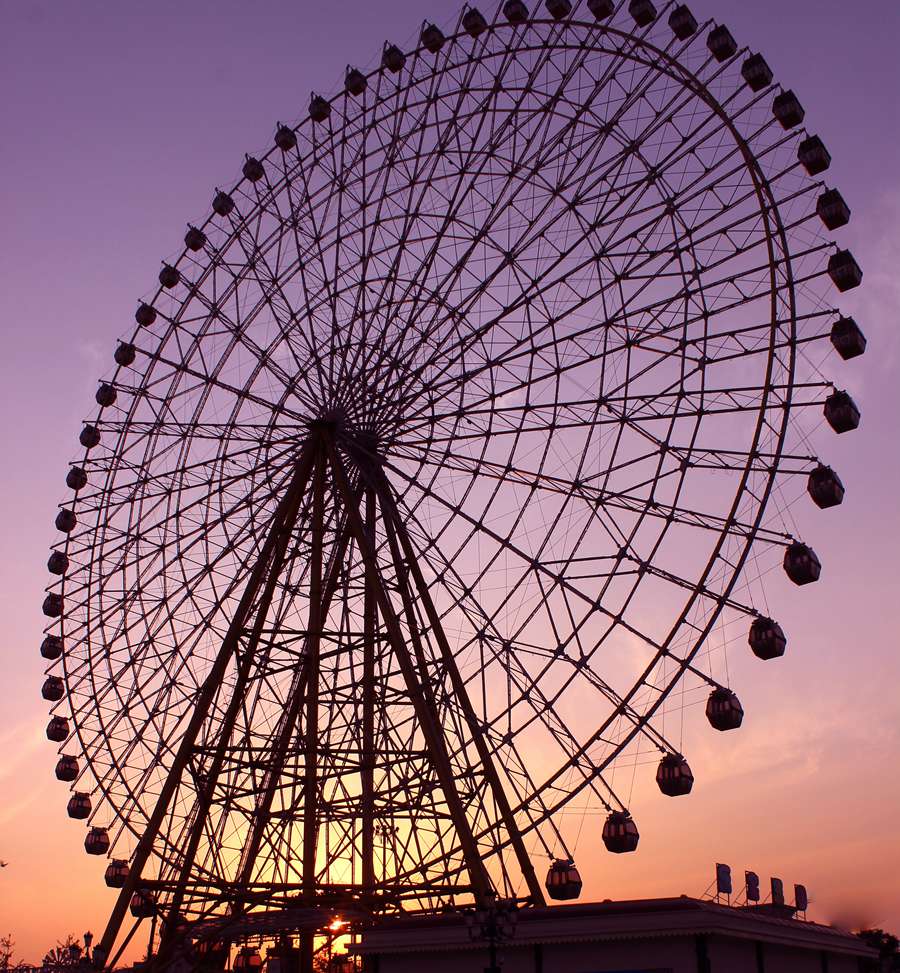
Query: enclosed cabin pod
<point>602,9</point>
<point>57,563</point>
<point>67,768</point>
<point>766,638</point>
<point>813,155</point>
<point>247,960</point>
<point>847,338</point>
<point>76,478</point>
<point>125,353</point>
<point>841,412</point>
<point>145,315</point>
<point>252,169</point>
<point>844,271</point>
<point>58,729</point>
<point>721,44</point>
<point>787,110</point>
<point>432,38</point>
<point>473,22</point>
<point>354,82</point>
<point>392,58</point>
<point>53,689</point>
<point>143,906</point>
<point>563,881</point>
<point>194,240</point>
<point>52,647</point>
<point>620,833</point>
<point>801,564</point>
<point>96,841</point>
<point>169,276</point>
<point>515,11</point>
<point>222,203</point>
<point>105,395</point>
<point>212,954</point>
<point>53,605</point>
<point>319,108</point>
<point>673,776</point>
<point>89,437</point>
<point>643,13</point>
<point>65,520</point>
<point>558,9</point>
<point>825,487</point>
<point>724,710</point>
<point>756,72</point>
<point>285,139</point>
<point>116,874</point>
<point>832,209</point>
<point>682,22</point>
<point>79,806</point>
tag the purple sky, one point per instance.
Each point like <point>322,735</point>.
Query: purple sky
<point>118,121</point>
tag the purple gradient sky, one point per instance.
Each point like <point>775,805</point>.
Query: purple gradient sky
<point>119,119</point>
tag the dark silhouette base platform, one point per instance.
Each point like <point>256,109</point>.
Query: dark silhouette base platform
<point>676,935</point>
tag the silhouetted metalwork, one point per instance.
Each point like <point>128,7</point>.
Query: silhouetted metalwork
<point>475,391</point>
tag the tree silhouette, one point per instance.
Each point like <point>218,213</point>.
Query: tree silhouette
<point>888,947</point>
<point>64,955</point>
<point>7,948</point>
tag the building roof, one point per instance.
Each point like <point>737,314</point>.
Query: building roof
<point>606,921</point>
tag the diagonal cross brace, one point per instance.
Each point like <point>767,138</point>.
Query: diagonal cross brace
<point>280,523</point>
<point>478,875</point>
<point>397,531</point>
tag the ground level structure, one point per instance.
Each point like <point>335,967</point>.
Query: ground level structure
<point>676,935</point>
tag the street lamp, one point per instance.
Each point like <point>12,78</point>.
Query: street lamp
<point>495,922</point>
<point>88,939</point>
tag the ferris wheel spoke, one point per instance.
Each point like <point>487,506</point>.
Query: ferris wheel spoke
<point>184,541</point>
<point>535,168</point>
<point>644,310</point>
<point>530,687</point>
<point>467,592</point>
<point>459,193</point>
<point>215,305</point>
<point>424,171</point>
<point>391,148</point>
<point>624,499</point>
<point>507,545</point>
<point>607,173</point>
<point>272,285</point>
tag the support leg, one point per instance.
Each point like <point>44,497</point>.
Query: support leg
<point>204,701</point>
<point>311,728</point>
<point>397,532</point>
<point>367,770</point>
<point>478,876</point>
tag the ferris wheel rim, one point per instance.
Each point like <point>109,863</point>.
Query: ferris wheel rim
<point>284,409</point>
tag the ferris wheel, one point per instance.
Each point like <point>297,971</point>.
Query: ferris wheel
<point>425,491</point>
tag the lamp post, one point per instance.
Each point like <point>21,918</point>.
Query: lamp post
<point>494,922</point>
<point>88,939</point>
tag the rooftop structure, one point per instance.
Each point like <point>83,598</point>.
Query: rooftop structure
<point>670,935</point>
